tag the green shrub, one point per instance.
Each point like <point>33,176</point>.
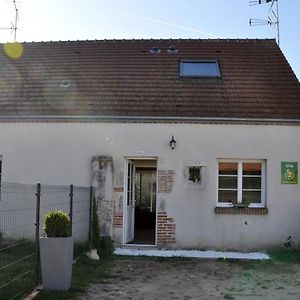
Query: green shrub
<point>57,224</point>
<point>95,226</point>
<point>103,244</point>
<point>106,246</point>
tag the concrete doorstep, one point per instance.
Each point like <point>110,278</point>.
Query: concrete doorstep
<point>191,253</point>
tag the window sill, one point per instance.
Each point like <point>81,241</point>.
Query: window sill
<point>241,211</point>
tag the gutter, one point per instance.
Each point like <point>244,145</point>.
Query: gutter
<point>144,119</point>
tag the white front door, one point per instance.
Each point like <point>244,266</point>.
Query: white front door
<point>130,203</point>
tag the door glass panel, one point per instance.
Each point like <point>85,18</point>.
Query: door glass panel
<point>130,184</point>
<point>128,191</point>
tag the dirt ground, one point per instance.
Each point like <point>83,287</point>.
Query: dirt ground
<point>198,279</point>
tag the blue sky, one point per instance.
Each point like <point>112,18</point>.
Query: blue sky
<point>99,19</point>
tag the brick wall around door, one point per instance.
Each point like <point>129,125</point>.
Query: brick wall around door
<point>118,220</point>
<point>166,230</point>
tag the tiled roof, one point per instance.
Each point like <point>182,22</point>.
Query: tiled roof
<point>122,78</point>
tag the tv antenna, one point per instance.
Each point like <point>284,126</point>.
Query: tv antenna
<point>273,15</point>
<point>14,25</point>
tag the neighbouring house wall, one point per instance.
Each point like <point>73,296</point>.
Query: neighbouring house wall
<point>61,153</point>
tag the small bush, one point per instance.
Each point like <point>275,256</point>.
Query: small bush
<point>57,224</point>
<point>95,226</point>
<point>106,246</point>
<point>292,256</point>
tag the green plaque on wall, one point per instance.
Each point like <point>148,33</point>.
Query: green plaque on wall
<point>289,172</point>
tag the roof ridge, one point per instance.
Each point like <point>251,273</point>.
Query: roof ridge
<point>149,40</point>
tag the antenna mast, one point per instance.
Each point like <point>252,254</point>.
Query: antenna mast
<point>13,26</point>
<point>273,15</point>
<point>16,20</point>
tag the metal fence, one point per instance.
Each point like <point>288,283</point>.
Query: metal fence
<point>22,211</point>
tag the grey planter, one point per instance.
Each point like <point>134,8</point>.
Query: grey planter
<point>56,262</point>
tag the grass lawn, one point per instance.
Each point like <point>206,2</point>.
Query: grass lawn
<point>17,276</point>
<point>285,256</point>
<point>85,271</point>
<point>17,268</point>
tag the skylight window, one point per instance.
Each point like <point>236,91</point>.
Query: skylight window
<point>200,68</point>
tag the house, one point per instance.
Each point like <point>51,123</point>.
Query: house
<point>188,143</point>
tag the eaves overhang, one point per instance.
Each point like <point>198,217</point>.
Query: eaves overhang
<point>145,119</point>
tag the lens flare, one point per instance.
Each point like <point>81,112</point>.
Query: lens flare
<point>13,50</point>
<point>10,82</point>
<point>60,91</point>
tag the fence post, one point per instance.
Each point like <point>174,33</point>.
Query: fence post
<point>71,206</point>
<point>37,232</point>
<point>90,215</point>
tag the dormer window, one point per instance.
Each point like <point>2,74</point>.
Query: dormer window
<point>200,68</point>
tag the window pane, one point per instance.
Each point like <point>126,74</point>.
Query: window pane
<point>228,168</point>
<point>227,182</point>
<point>251,182</point>
<point>251,197</point>
<point>128,183</point>
<point>199,68</point>
<point>128,197</point>
<point>194,174</point>
<point>251,168</point>
<point>227,196</point>
<point>129,167</point>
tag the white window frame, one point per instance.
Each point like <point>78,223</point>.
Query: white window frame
<point>240,162</point>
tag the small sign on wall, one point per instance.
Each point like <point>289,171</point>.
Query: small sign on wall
<point>289,172</point>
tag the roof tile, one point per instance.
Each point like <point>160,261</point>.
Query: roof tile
<point>122,78</point>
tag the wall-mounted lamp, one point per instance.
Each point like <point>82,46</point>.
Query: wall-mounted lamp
<point>173,143</point>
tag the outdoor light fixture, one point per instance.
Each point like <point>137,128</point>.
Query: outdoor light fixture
<point>173,143</point>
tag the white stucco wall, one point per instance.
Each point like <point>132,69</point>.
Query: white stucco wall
<point>61,153</point>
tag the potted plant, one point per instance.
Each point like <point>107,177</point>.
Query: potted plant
<point>56,251</point>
